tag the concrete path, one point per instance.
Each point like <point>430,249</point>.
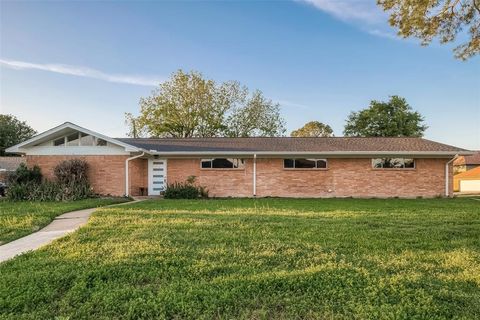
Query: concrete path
<point>62,225</point>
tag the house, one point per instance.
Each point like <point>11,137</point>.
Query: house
<point>465,163</point>
<point>9,164</point>
<point>468,181</point>
<point>246,167</point>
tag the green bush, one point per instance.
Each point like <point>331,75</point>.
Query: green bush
<point>185,190</point>
<point>70,183</point>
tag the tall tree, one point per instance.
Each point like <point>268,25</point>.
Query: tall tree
<point>13,131</point>
<point>188,105</point>
<point>394,118</point>
<point>313,129</point>
<point>258,116</point>
<point>445,19</point>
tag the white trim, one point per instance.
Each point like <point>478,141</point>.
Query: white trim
<point>127,186</point>
<point>19,148</point>
<point>312,153</point>
<point>254,175</point>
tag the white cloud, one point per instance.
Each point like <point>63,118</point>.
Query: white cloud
<point>81,71</point>
<point>365,14</point>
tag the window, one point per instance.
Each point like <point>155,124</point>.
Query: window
<point>393,163</point>
<point>73,139</point>
<point>222,163</point>
<point>60,142</point>
<point>101,142</point>
<point>304,163</point>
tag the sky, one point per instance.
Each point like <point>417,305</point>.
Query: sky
<point>90,62</point>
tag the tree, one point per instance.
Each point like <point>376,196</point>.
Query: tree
<point>394,118</point>
<point>426,19</point>
<point>13,131</point>
<point>313,129</point>
<point>258,116</point>
<point>188,105</point>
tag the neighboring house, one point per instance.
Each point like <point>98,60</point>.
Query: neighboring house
<point>9,164</point>
<point>465,163</point>
<point>468,181</point>
<point>246,167</point>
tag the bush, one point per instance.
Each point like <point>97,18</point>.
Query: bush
<point>25,175</point>
<point>71,183</point>
<point>185,190</point>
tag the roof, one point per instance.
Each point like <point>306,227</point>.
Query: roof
<point>10,163</point>
<point>469,174</point>
<point>468,160</point>
<point>292,145</point>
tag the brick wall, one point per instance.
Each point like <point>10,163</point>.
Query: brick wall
<point>106,173</point>
<point>343,178</point>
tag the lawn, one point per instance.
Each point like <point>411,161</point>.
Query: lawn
<point>257,259</point>
<point>17,219</point>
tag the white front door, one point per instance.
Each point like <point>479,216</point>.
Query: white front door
<point>157,176</point>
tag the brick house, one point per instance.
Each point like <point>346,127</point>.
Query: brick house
<point>247,167</point>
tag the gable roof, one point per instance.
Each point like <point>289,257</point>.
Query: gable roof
<point>473,159</point>
<point>61,130</point>
<point>330,145</point>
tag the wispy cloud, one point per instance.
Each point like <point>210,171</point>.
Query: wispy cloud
<point>365,14</point>
<point>290,104</point>
<point>81,71</point>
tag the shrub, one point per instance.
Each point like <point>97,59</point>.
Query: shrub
<point>25,175</point>
<point>185,190</point>
<point>71,183</point>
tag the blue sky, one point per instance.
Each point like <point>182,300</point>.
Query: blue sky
<point>90,62</point>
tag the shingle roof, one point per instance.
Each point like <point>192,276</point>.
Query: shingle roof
<point>467,160</point>
<point>10,163</point>
<point>289,144</point>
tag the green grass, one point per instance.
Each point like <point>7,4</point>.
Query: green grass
<point>257,259</point>
<point>18,219</point>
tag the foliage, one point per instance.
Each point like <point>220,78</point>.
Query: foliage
<point>18,219</point>
<point>13,131</point>
<point>71,183</point>
<point>185,190</point>
<point>445,19</point>
<point>189,105</point>
<point>257,259</point>
<point>394,118</point>
<point>313,129</point>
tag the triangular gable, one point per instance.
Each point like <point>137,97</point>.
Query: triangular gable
<point>64,129</point>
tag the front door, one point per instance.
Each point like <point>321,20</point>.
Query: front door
<point>157,176</point>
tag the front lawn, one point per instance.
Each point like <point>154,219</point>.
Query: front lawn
<point>18,219</point>
<point>257,259</point>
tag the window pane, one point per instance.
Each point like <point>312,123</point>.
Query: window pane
<point>206,163</point>
<point>322,164</point>
<point>377,163</point>
<point>239,163</point>
<point>72,140</point>
<point>222,163</point>
<point>288,163</point>
<point>397,163</point>
<point>101,142</point>
<point>409,163</point>
<point>387,163</point>
<point>86,140</point>
<point>305,163</point>
<point>59,142</point>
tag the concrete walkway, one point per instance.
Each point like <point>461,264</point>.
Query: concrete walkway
<point>62,225</point>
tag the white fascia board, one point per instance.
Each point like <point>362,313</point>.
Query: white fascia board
<point>311,153</point>
<point>22,147</point>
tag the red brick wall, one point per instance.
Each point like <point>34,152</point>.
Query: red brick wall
<point>106,173</point>
<point>343,178</point>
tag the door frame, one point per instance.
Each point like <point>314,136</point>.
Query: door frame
<point>151,192</point>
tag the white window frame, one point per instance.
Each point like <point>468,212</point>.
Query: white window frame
<point>310,159</point>
<point>398,168</point>
<point>211,161</point>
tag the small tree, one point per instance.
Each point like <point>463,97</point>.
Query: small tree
<point>394,118</point>
<point>13,131</point>
<point>313,129</point>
